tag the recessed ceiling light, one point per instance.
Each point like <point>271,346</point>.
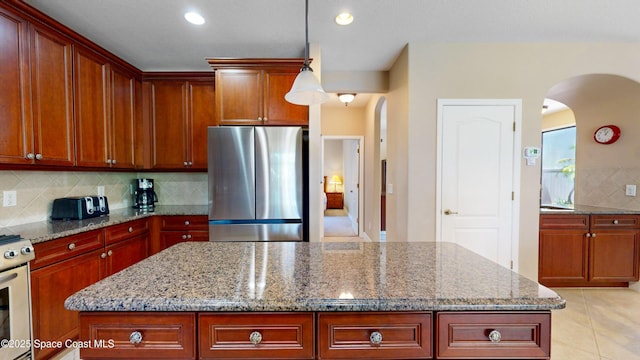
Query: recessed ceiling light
<point>194,18</point>
<point>344,18</point>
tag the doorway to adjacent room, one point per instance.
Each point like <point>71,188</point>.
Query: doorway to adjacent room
<point>342,193</point>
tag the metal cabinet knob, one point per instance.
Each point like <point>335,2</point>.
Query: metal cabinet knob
<point>588,235</point>
<point>71,246</point>
<point>135,337</point>
<point>615,222</point>
<point>255,337</point>
<point>130,229</point>
<point>265,119</point>
<point>113,161</point>
<point>593,235</point>
<point>185,163</point>
<point>39,157</point>
<point>449,212</point>
<point>108,161</point>
<point>103,256</point>
<point>31,156</point>
<point>187,222</point>
<point>110,252</point>
<point>375,338</point>
<point>184,237</point>
<point>259,118</point>
<point>495,336</point>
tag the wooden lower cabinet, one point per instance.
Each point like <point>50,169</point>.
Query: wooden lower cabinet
<point>256,336</point>
<point>375,335</point>
<point>493,335</point>
<point>589,250</point>
<point>67,265</point>
<point>320,335</point>
<point>175,229</point>
<point>138,336</point>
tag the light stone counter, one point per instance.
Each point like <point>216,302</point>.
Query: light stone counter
<point>586,210</point>
<point>289,276</point>
<point>53,229</point>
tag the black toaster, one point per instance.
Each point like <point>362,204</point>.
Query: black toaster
<point>80,207</point>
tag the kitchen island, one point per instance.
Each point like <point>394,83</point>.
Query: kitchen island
<point>416,300</point>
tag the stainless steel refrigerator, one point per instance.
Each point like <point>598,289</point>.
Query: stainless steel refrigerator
<point>255,183</point>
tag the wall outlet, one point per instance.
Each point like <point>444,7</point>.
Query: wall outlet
<point>630,190</point>
<point>100,190</point>
<point>9,198</point>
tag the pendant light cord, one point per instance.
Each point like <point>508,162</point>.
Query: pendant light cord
<point>306,36</point>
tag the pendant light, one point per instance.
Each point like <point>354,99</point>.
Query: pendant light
<point>306,89</point>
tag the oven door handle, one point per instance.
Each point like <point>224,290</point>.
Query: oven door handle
<point>8,278</point>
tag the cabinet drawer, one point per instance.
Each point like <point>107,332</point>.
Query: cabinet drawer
<point>185,222</point>
<point>67,247</point>
<point>162,335</point>
<point>275,336</point>
<point>126,230</point>
<point>564,221</point>
<point>516,335</point>
<point>615,221</point>
<point>353,335</point>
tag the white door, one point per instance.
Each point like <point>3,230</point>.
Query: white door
<point>477,177</point>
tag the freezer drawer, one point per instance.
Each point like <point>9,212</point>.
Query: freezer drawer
<point>256,232</point>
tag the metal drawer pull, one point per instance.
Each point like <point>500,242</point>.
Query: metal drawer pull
<point>135,337</point>
<point>103,255</point>
<point>495,336</point>
<point>375,338</point>
<point>255,338</point>
<point>71,246</point>
<point>615,222</point>
<point>130,229</point>
<point>187,222</point>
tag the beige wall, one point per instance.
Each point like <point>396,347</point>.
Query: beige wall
<point>426,72</point>
<point>343,121</point>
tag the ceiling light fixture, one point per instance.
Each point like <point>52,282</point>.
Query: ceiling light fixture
<point>544,108</point>
<point>194,18</point>
<point>346,98</point>
<point>306,89</point>
<point>344,18</point>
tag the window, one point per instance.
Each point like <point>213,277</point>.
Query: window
<point>558,167</point>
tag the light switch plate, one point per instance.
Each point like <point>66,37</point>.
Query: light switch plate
<point>9,198</point>
<point>630,190</point>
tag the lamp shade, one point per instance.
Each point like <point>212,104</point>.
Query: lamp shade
<point>335,179</point>
<point>306,89</point>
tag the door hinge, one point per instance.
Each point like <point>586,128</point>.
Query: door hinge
<point>513,195</point>
<point>514,126</point>
<point>357,186</point>
<point>511,265</point>
<point>358,150</point>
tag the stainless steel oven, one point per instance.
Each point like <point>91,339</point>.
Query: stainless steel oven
<point>15,301</point>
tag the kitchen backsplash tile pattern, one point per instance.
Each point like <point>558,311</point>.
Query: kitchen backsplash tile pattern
<point>37,189</point>
<point>606,187</point>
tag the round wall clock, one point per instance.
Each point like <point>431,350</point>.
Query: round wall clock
<point>607,134</point>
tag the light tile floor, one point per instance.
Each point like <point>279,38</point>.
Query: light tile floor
<point>602,324</point>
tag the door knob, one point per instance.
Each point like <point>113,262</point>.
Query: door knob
<point>449,212</point>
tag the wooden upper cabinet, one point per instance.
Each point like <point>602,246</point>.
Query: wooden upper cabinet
<point>201,116</point>
<point>122,133</point>
<point>181,109</point>
<point>251,92</point>
<point>16,135</point>
<point>92,110</point>
<point>36,100</point>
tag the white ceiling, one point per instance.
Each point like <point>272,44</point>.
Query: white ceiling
<point>153,35</point>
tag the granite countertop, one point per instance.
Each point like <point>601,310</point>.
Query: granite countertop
<point>586,210</point>
<point>299,276</point>
<point>53,229</point>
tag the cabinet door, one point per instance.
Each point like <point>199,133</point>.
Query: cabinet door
<point>239,97</point>
<point>15,137</point>
<point>277,111</point>
<point>169,118</point>
<point>614,255</point>
<point>52,97</point>
<point>91,103</point>
<point>123,116</point>
<point>126,253</point>
<point>201,116</point>
<point>50,287</point>
<point>563,257</point>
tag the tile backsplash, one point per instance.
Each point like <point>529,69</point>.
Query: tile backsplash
<point>36,190</point>
<point>605,187</point>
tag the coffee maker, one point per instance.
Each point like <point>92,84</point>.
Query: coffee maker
<point>144,197</point>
